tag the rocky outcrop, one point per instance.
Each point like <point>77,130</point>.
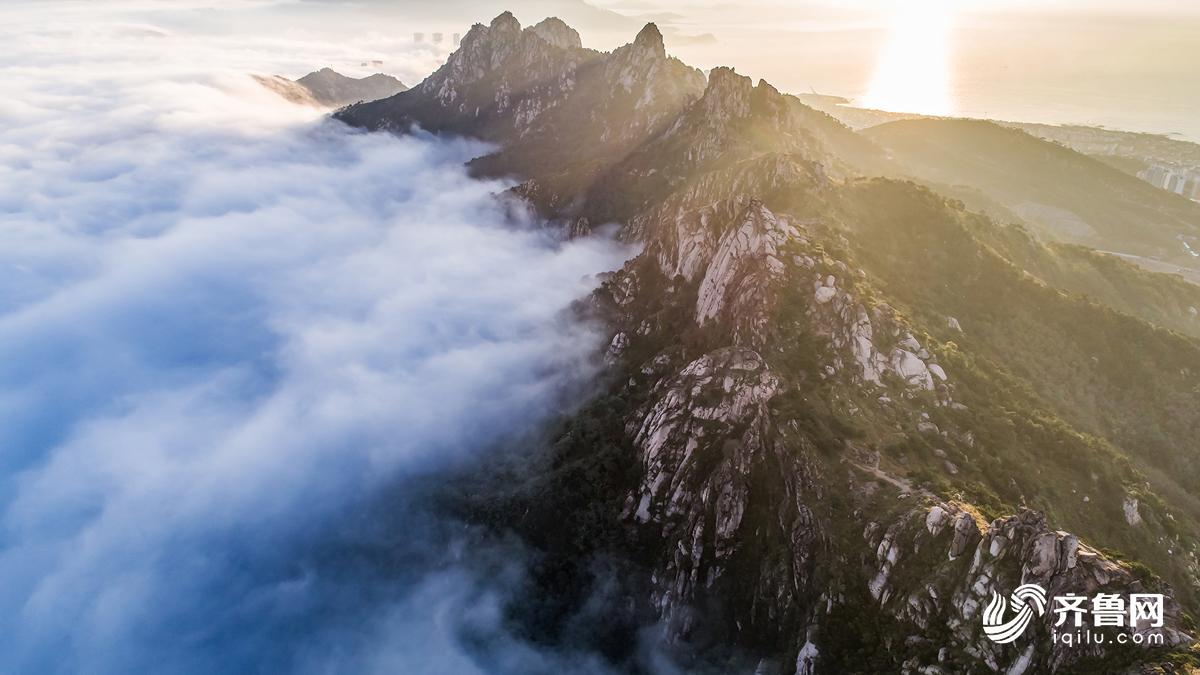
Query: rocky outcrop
<point>738,282</point>
<point>868,342</point>
<point>951,565</point>
<point>707,442</point>
<point>558,33</point>
<point>650,40</point>
<point>1130,509</point>
<point>545,100</point>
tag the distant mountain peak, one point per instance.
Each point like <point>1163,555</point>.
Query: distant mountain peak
<point>327,87</point>
<point>727,94</point>
<point>558,33</point>
<point>651,38</point>
<point>505,22</point>
<point>505,83</point>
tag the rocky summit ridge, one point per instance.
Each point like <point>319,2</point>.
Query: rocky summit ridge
<point>840,410</point>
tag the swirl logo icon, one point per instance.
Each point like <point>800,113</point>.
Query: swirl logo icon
<point>1025,601</point>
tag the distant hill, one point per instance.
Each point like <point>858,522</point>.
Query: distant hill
<point>329,88</point>
<point>334,89</point>
<point>841,109</point>
<point>1065,195</point>
<point>1102,142</point>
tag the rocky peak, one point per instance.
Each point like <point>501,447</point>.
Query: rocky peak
<point>727,95</point>
<point>505,84</point>
<point>650,39</point>
<point>505,24</point>
<point>557,33</point>
<point>767,100</point>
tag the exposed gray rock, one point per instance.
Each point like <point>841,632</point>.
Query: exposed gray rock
<point>979,562</point>
<point>738,282</point>
<point>1130,507</point>
<point>807,658</point>
<point>619,342</point>
<point>651,40</point>
<point>701,438</point>
<point>557,33</point>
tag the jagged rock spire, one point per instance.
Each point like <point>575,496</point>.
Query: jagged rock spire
<point>728,94</point>
<point>650,38</point>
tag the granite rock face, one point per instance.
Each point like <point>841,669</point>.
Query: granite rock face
<point>551,105</point>
<point>952,565</point>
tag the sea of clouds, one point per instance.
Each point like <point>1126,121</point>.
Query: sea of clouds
<point>238,342</point>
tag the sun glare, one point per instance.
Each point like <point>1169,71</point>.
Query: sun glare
<point>913,72</point>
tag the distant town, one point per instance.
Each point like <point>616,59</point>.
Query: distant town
<point>1182,180</point>
<point>1164,162</point>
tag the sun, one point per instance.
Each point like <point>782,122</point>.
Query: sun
<point>913,72</point>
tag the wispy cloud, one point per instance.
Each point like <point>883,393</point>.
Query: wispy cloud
<point>228,332</point>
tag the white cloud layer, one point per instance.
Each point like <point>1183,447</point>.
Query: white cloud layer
<point>227,329</point>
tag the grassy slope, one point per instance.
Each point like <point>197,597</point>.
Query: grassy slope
<point>1162,299</point>
<point>1067,398</point>
<point>1017,170</point>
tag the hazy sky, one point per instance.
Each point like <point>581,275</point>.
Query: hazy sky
<point>1119,63</point>
<point>1071,58</point>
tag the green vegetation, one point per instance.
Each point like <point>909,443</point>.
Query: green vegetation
<point>1068,400</point>
<point>1066,195</point>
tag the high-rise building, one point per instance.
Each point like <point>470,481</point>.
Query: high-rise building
<point>1155,175</point>
<point>1175,183</point>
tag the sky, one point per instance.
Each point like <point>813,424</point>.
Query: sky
<point>1119,63</point>
<point>1116,63</point>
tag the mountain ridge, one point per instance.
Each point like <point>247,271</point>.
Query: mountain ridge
<point>835,401</point>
